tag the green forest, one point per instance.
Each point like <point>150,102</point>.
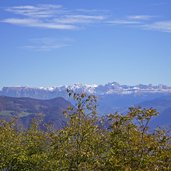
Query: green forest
<point>116,142</point>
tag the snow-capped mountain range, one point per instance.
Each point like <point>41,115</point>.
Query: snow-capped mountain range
<point>107,89</point>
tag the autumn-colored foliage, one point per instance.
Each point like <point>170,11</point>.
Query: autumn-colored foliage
<point>88,143</point>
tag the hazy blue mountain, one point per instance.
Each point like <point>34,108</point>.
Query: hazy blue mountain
<point>118,102</point>
<point>163,106</point>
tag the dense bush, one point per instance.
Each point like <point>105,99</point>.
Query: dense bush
<point>87,143</point>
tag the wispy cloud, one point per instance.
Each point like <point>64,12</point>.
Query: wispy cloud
<point>140,17</point>
<point>30,22</point>
<point>40,11</point>
<point>58,17</point>
<point>144,22</point>
<point>78,19</point>
<point>123,22</point>
<point>131,20</point>
<point>164,26</point>
<point>47,44</point>
<point>53,17</point>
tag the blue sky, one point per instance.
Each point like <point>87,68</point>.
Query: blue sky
<point>55,42</point>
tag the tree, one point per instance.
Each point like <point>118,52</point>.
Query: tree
<point>80,145</point>
<point>88,142</point>
<point>133,147</point>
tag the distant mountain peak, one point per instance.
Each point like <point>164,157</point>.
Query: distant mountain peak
<point>109,88</point>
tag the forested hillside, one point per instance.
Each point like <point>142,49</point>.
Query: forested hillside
<point>25,109</point>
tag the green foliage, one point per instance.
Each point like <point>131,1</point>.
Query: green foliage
<point>85,144</point>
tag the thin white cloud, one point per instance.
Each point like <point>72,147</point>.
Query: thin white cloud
<point>40,11</point>
<point>57,17</point>
<point>38,23</point>
<point>53,17</point>
<point>47,44</point>
<point>77,19</point>
<point>140,17</point>
<point>144,22</point>
<point>123,22</point>
<point>164,26</point>
<point>130,20</point>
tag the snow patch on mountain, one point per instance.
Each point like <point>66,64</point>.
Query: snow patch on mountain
<point>107,89</point>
